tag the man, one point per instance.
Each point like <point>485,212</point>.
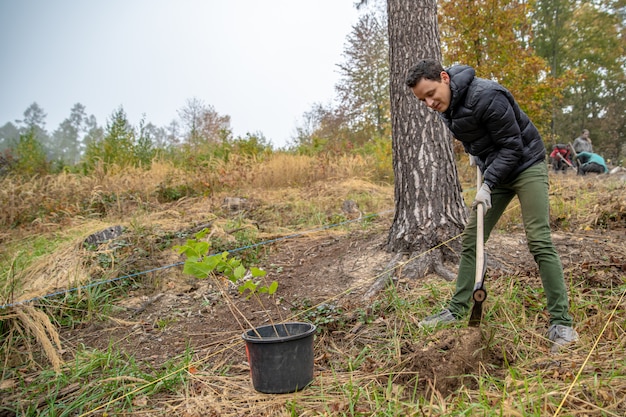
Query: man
<point>560,158</point>
<point>590,162</point>
<point>582,143</point>
<point>507,147</point>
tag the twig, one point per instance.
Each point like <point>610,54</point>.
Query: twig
<point>146,304</point>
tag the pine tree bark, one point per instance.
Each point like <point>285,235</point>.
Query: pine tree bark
<point>428,202</point>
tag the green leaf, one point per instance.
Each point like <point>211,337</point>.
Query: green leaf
<point>197,269</point>
<point>248,285</point>
<point>193,248</point>
<point>212,261</point>
<point>202,248</point>
<point>256,272</point>
<point>183,249</point>
<point>273,287</point>
<point>239,272</point>
<point>193,258</point>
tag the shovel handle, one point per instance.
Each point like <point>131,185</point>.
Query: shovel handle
<point>480,235</point>
<point>479,294</point>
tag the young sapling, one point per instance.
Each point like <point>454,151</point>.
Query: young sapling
<point>200,264</point>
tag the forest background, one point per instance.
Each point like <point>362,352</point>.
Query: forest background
<point>564,60</point>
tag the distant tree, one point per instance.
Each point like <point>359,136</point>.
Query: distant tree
<point>326,128</point>
<point>173,133</point>
<point>93,133</point>
<point>215,127</point>
<point>34,123</point>
<point>203,124</point>
<point>585,42</point>
<point>548,23</point>
<point>612,127</point>
<point>30,156</point>
<point>361,112</point>
<point>117,145</point>
<point>67,139</point>
<point>597,53</point>
<point>494,37</point>
<point>144,150</point>
<point>302,137</point>
<point>63,144</point>
<point>119,139</point>
<point>34,118</point>
<point>252,145</point>
<point>159,135</point>
<point>550,20</point>
<point>363,90</point>
<point>191,116</point>
<point>9,135</point>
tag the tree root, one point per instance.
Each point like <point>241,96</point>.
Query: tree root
<point>386,277</point>
<point>417,266</point>
<point>445,273</point>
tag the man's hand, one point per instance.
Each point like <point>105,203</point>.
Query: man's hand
<point>483,196</point>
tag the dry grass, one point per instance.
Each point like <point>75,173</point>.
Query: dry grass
<point>29,323</point>
<point>41,203</point>
<point>284,170</point>
<point>64,266</point>
<point>578,203</point>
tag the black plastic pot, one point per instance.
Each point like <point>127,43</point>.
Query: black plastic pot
<point>281,359</point>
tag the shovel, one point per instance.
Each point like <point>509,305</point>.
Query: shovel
<point>568,163</point>
<point>480,293</point>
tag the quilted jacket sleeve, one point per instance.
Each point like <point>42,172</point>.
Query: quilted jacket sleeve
<point>501,125</point>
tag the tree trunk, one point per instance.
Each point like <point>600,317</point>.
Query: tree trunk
<point>429,207</point>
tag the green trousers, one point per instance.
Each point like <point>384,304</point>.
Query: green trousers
<point>531,188</point>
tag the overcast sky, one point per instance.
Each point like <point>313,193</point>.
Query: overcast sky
<point>262,62</point>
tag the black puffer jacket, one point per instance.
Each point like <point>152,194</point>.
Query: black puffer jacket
<point>485,117</point>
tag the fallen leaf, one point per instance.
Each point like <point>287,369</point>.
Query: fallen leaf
<point>140,401</point>
<point>7,384</point>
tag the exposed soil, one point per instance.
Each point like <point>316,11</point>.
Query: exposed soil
<point>326,270</point>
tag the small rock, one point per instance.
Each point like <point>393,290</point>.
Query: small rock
<point>105,235</point>
<point>235,203</point>
<point>350,209</point>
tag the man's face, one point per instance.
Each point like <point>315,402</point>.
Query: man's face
<point>436,94</point>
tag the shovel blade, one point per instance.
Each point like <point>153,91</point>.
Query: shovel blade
<point>477,315</point>
<point>477,310</point>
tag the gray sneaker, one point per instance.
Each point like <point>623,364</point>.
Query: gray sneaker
<point>561,336</point>
<point>444,316</point>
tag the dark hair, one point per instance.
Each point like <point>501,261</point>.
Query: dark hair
<point>429,69</point>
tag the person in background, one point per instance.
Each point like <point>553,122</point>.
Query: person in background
<point>582,143</point>
<point>590,162</point>
<point>560,158</point>
<point>509,151</point>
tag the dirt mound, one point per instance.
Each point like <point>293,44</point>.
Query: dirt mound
<point>447,360</point>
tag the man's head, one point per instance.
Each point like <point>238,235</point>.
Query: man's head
<point>431,84</point>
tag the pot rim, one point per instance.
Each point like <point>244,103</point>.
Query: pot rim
<point>250,335</point>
